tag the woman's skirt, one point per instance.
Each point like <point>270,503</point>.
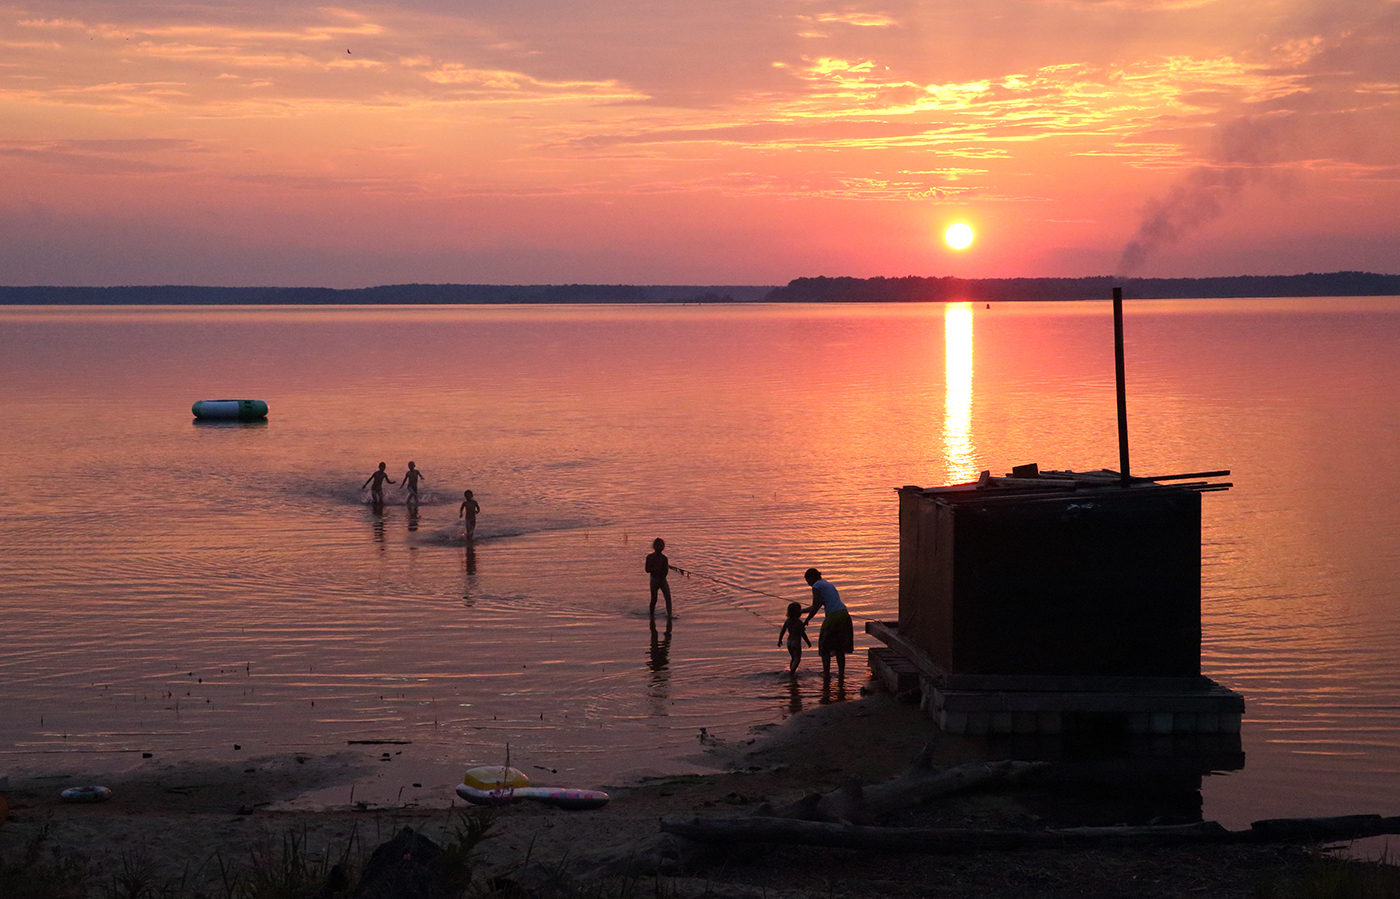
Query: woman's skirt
<point>837,634</point>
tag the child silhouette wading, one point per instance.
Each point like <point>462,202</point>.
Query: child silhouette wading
<point>410,482</point>
<point>375,483</point>
<point>468,511</point>
<point>796,630</point>
<point>658,566</point>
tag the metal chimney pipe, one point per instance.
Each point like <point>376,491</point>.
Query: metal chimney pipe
<point>1122,387</point>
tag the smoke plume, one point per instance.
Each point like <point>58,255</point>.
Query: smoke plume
<point>1198,200</point>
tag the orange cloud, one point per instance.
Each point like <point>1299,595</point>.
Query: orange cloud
<point>1041,108</point>
<point>857,19</point>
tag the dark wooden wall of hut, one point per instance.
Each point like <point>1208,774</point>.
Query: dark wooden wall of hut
<point>926,586</point>
<point>1094,583</point>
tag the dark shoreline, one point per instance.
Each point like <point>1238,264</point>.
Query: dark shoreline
<point>171,821</point>
<point>800,290</point>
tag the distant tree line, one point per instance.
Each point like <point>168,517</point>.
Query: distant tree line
<point>950,290</point>
<point>393,294</point>
<point>801,290</point>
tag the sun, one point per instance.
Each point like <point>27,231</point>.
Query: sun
<point>958,236</point>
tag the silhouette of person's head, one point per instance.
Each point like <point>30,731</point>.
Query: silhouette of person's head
<point>658,544</point>
<point>794,609</point>
<point>812,575</point>
<point>382,466</point>
<point>410,465</point>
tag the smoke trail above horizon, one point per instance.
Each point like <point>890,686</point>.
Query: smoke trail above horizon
<point>1195,202</point>
<point>1244,151</point>
<point>1330,110</point>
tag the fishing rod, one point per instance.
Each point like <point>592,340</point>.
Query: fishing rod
<point>691,572</point>
<point>727,583</point>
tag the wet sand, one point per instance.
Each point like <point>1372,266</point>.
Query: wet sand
<point>179,817</point>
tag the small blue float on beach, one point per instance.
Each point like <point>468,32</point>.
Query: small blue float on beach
<point>86,794</point>
<point>230,410</point>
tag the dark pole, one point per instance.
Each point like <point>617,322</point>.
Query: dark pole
<point>1122,387</point>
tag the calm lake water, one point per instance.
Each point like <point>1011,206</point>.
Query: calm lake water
<point>178,588</point>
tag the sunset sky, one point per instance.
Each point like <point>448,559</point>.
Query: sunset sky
<point>724,142</point>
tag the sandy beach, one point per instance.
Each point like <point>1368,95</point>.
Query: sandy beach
<point>175,822</point>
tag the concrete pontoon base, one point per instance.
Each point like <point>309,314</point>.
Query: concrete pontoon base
<point>993,704</point>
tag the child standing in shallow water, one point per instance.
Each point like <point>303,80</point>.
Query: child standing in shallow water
<point>658,566</point>
<point>470,508</point>
<point>375,483</point>
<point>796,630</point>
<point>410,481</point>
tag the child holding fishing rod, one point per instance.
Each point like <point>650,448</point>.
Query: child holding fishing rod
<point>658,566</point>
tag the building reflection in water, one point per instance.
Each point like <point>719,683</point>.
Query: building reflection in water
<point>957,397</point>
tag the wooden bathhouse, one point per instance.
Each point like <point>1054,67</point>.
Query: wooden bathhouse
<point>1050,602</point>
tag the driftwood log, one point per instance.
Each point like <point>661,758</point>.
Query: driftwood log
<point>841,819</point>
<point>938,840</point>
<point>853,803</point>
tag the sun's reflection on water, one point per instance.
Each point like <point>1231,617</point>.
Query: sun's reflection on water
<point>957,397</point>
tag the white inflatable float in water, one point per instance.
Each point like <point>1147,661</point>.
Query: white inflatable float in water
<point>229,410</point>
<point>498,785</point>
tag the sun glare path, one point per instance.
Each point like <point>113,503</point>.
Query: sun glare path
<point>957,398</point>
<point>958,236</point>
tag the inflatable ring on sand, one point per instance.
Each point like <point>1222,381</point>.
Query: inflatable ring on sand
<point>495,777</point>
<point>86,794</point>
<point>496,785</point>
<point>559,797</point>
